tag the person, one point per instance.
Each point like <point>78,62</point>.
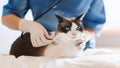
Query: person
<point>14,12</point>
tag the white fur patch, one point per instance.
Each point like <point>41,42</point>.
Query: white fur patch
<point>63,47</point>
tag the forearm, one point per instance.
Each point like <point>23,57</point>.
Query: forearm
<point>11,21</point>
<point>89,33</point>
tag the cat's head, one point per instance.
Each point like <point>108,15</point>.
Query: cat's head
<point>70,26</point>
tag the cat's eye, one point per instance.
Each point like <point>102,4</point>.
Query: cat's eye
<point>78,28</point>
<point>67,28</point>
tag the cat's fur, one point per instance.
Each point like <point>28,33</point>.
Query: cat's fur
<point>62,45</point>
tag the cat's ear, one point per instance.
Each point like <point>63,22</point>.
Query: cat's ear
<point>60,19</point>
<point>79,17</point>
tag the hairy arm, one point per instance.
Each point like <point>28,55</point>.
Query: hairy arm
<point>11,21</point>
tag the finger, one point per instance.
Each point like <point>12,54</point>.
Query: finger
<point>32,40</point>
<point>45,40</point>
<point>52,34</point>
<point>34,43</point>
<point>33,37</point>
<point>39,42</point>
<point>49,36</point>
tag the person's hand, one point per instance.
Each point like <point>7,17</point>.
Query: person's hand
<point>39,35</point>
<point>88,35</point>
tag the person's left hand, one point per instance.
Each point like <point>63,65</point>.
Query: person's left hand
<point>38,34</point>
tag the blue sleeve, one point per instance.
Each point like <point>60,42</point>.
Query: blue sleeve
<point>17,7</point>
<point>95,17</point>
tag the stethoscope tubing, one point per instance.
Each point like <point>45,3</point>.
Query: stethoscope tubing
<point>42,14</point>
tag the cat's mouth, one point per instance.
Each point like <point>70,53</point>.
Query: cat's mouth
<point>73,37</point>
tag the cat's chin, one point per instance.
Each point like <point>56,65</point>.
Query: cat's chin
<point>73,37</point>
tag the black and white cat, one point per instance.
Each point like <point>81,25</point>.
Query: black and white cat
<point>63,45</point>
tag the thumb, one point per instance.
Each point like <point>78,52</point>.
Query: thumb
<point>52,34</point>
<point>49,35</point>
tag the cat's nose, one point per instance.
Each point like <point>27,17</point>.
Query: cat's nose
<point>74,33</point>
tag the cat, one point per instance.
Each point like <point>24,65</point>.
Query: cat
<point>62,45</point>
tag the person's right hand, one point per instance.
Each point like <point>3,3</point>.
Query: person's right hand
<point>39,35</point>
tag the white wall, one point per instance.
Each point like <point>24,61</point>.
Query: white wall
<point>112,14</point>
<point>7,36</point>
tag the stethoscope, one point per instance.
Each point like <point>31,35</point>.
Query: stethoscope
<point>44,12</point>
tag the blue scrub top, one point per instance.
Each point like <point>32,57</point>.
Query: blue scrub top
<point>94,12</point>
